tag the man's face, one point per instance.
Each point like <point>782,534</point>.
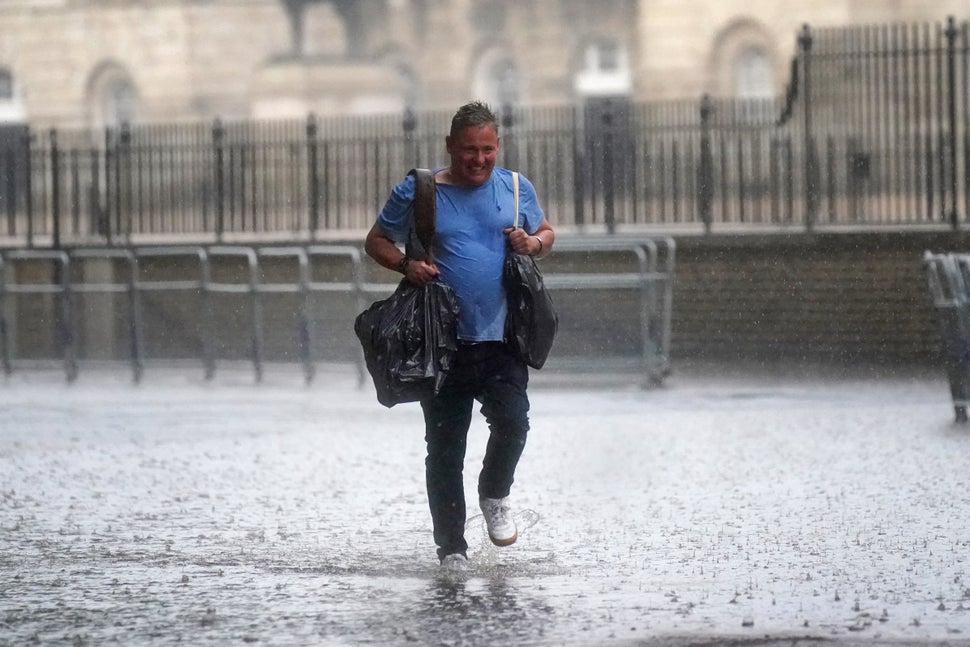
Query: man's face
<point>473,152</point>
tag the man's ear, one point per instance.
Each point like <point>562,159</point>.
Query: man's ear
<point>448,143</point>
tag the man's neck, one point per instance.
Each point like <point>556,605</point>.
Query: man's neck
<point>444,176</point>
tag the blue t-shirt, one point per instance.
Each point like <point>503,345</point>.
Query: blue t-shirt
<point>470,245</point>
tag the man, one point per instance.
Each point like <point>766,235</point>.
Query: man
<point>474,204</point>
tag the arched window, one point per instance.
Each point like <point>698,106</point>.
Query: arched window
<point>743,65</point>
<point>11,100</point>
<point>753,76</point>
<point>604,69</point>
<point>497,80</point>
<point>412,88</point>
<point>120,102</point>
<point>6,84</point>
<point>505,83</point>
<point>112,97</point>
<point>753,85</point>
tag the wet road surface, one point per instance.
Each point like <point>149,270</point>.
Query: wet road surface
<point>716,509</point>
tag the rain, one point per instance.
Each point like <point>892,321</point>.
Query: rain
<point>724,506</point>
<point>187,184</point>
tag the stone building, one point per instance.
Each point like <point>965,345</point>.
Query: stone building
<point>91,63</point>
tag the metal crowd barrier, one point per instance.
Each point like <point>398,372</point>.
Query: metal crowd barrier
<point>248,254</point>
<point>301,286</point>
<point>649,283</point>
<point>353,287</point>
<point>56,283</point>
<point>126,286</point>
<point>948,276</point>
<point>636,287</point>
<point>196,277</point>
<point>144,284</point>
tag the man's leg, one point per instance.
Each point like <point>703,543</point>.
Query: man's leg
<point>505,405</point>
<point>447,418</point>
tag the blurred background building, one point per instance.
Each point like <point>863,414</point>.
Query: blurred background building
<point>97,63</point>
<point>129,123</point>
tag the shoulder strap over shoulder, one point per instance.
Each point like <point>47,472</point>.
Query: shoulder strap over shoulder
<point>515,193</point>
<point>424,208</point>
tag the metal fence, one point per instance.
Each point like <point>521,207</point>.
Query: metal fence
<point>202,305</point>
<point>872,131</point>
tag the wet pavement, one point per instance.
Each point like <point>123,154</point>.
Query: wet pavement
<point>746,508</point>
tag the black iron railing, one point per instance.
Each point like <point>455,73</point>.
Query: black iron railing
<point>873,130</point>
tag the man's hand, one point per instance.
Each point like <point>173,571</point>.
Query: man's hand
<point>420,273</point>
<point>521,242</point>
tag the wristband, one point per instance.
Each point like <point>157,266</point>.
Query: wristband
<point>402,265</point>
<point>541,246</point>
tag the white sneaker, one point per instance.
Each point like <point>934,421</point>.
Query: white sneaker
<point>498,518</point>
<point>455,563</point>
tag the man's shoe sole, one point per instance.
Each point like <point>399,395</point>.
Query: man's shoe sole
<point>504,542</point>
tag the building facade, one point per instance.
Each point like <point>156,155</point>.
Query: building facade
<point>97,63</point>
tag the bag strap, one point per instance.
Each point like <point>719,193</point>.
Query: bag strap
<point>424,211</point>
<point>515,193</point>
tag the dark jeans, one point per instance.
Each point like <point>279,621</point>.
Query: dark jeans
<point>486,372</point>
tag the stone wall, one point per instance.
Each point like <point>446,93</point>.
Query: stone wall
<point>839,298</point>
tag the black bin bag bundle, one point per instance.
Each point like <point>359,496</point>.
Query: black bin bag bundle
<point>409,339</point>
<point>532,321</point>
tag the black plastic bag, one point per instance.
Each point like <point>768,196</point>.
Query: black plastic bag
<point>409,341</point>
<point>532,321</point>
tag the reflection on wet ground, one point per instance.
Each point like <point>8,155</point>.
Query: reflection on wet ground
<point>709,510</point>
